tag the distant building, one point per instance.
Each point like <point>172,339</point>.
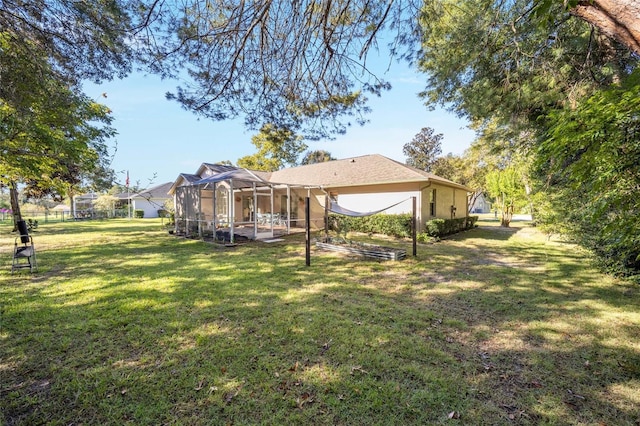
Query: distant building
<point>479,204</point>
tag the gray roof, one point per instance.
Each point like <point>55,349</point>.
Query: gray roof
<point>365,170</point>
<point>372,169</point>
<point>159,191</point>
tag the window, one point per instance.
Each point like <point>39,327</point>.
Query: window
<point>432,202</point>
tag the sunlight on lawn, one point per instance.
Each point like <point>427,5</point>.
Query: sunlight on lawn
<point>131,325</point>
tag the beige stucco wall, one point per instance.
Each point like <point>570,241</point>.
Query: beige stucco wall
<point>375,197</point>
<point>446,197</point>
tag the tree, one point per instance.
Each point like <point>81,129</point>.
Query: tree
<point>276,147</point>
<point>318,156</point>
<point>498,62</point>
<point>51,135</point>
<point>517,74</point>
<point>423,149</point>
<point>507,190</point>
<point>617,19</point>
<point>300,65</point>
<point>82,39</point>
<point>449,167</point>
<point>588,164</point>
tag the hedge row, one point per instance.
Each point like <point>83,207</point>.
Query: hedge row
<point>442,227</point>
<point>398,225</point>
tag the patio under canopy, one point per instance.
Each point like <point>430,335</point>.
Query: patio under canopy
<point>238,204</point>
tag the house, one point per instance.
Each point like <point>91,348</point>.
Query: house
<point>229,200</point>
<point>150,200</point>
<point>479,203</point>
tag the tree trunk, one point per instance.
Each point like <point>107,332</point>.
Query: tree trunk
<point>15,205</point>
<point>618,19</point>
<point>72,207</point>
<point>507,215</point>
<point>471,201</point>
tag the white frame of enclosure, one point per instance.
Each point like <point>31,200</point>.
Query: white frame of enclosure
<point>189,207</point>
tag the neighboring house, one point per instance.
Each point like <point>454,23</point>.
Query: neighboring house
<point>83,204</point>
<point>259,204</point>
<point>150,200</point>
<point>480,203</point>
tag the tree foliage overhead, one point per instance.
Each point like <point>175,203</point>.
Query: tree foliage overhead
<point>424,149</point>
<point>498,61</point>
<point>297,64</point>
<point>82,39</point>
<point>617,19</point>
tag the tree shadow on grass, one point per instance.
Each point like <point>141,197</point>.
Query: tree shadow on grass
<point>158,330</point>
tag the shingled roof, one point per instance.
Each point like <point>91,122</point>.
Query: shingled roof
<point>372,169</point>
<point>160,191</point>
<point>365,170</point>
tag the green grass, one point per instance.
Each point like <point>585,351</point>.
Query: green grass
<point>125,324</point>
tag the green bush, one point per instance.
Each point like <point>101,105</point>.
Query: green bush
<point>442,227</point>
<point>163,213</point>
<point>424,237</point>
<point>397,225</point>
<point>32,224</point>
<point>435,227</point>
<point>138,213</point>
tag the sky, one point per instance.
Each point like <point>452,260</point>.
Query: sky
<point>157,139</point>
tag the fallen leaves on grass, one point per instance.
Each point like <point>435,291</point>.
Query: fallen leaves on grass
<point>305,398</point>
<point>358,369</point>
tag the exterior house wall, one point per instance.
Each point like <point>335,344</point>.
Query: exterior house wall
<point>480,204</point>
<point>446,197</point>
<point>150,207</point>
<point>375,197</point>
<point>357,184</point>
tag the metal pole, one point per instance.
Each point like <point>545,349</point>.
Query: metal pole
<point>307,213</point>
<point>413,228</point>
<point>326,218</point>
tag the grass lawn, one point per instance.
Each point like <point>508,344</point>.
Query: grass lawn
<point>125,324</point>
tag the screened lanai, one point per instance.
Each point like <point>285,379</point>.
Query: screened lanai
<point>238,204</point>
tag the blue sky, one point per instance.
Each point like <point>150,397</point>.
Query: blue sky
<point>156,136</point>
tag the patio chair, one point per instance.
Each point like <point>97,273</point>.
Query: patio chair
<point>24,252</point>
